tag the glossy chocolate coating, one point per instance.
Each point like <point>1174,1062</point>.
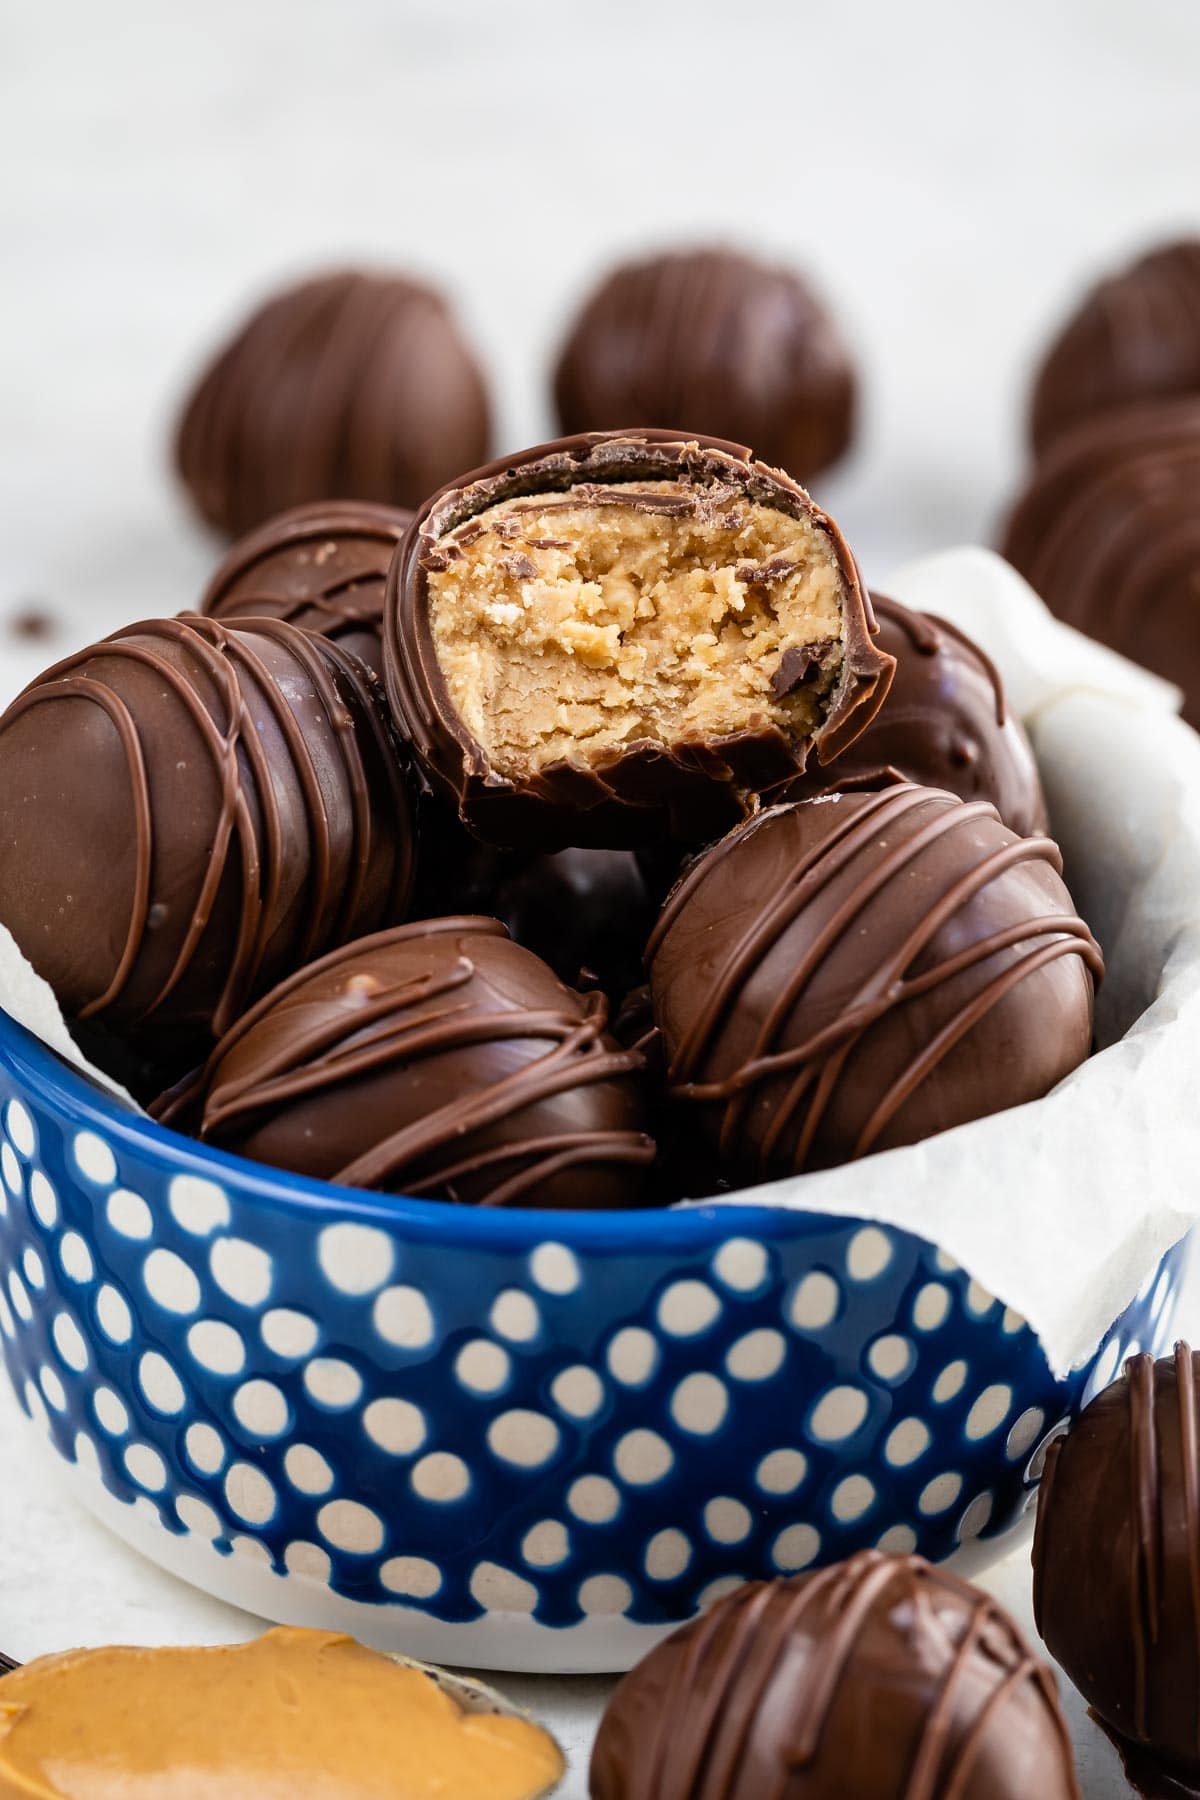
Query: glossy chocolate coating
<point>1135,336</point>
<point>1117,1557</point>
<point>192,810</point>
<point>690,791</point>
<point>880,1678</point>
<point>945,724</point>
<point>352,385</point>
<point>712,341</point>
<point>322,567</point>
<point>846,974</point>
<point>584,912</point>
<point>1108,533</point>
<point>439,1060</point>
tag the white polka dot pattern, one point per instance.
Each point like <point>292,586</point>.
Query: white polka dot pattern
<point>345,1407</point>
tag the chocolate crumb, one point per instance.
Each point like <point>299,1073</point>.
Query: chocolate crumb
<point>519,566</point>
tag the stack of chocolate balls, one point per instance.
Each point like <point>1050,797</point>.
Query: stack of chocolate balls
<point>386,932</point>
<point>1107,528</point>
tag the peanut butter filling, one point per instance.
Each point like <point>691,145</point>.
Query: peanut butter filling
<point>569,625</point>
<point>296,1713</point>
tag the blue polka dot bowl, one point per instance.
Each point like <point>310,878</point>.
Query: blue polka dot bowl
<point>513,1439</point>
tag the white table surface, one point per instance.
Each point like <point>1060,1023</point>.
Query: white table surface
<point>950,173</point>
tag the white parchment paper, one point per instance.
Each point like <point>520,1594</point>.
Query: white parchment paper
<point>1063,1207</point>
<point>29,1000</point>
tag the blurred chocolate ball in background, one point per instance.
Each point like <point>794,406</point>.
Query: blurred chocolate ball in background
<point>1134,336</point>
<point>716,342</point>
<point>1107,531</point>
<point>352,385</point>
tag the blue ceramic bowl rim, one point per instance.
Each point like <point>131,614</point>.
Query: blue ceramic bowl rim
<point>652,1229</point>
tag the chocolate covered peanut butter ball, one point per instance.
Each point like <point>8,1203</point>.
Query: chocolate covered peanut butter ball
<point>617,638</point>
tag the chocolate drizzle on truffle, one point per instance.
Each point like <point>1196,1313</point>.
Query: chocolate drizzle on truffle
<point>352,385</point>
<point>193,810</point>
<point>764,1698</point>
<point>712,341</point>
<point>1117,1559</point>
<point>887,954</point>
<point>322,567</point>
<point>438,1059</point>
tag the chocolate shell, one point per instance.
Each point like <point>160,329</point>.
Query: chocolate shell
<point>352,385</point>
<point>438,1060</point>
<point>1135,336</point>
<point>1108,533</point>
<point>712,341</point>
<point>844,975</point>
<point>619,637</point>
<point>1117,1559</point>
<point>878,1679</point>
<point>190,811</point>
<point>322,567</point>
<point>945,723</point>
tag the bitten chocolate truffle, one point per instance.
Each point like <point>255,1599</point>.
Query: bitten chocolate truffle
<point>717,342</point>
<point>847,974</point>
<point>1108,533</point>
<point>352,385</point>
<point>321,567</point>
<point>188,811</point>
<point>1135,336</point>
<point>439,1060</point>
<point>615,638</point>
<point>878,1679</point>
<point>1117,1559</point>
<point>945,723</point>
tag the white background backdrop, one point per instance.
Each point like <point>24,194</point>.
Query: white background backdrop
<point>949,173</point>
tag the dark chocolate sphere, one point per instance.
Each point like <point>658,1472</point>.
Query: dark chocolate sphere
<point>1117,1557</point>
<point>715,342</point>
<point>945,723</point>
<point>878,1679</point>
<point>586,912</point>
<point>322,567</point>
<point>352,385</point>
<point>620,638</point>
<point>440,1060</point>
<point>189,811</point>
<point>1108,533</point>
<point>846,974</point>
<point>1134,336</point>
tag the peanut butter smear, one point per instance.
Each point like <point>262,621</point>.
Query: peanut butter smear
<point>296,1713</point>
